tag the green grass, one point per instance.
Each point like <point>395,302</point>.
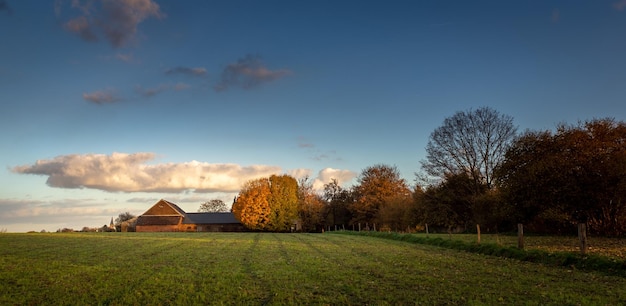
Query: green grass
<point>608,247</point>
<point>589,262</point>
<point>277,269</point>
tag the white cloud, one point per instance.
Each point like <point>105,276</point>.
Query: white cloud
<point>299,173</point>
<point>325,176</point>
<point>121,172</point>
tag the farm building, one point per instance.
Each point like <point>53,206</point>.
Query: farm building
<point>165,216</point>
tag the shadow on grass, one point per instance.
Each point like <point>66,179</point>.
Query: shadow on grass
<point>597,263</point>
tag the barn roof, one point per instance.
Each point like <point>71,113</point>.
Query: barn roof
<point>180,210</point>
<point>210,218</point>
<point>159,214</point>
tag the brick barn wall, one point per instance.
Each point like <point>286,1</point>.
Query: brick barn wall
<point>157,228</point>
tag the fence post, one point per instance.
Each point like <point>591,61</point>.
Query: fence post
<point>478,231</point>
<point>426,229</point>
<point>520,236</point>
<point>582,237</point>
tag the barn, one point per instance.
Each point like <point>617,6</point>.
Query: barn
<point>165,216</point>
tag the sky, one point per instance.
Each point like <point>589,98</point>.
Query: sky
<point>107,106</point>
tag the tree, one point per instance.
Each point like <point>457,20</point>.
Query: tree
<point>449,203</point>
<point>579,171</point>
<point>378,186</point>
<point>215,205</point>
<point>125,216</point>
<point>283,201</point>
<point>338,203</point>
<point>311,207</point>
<point>268,203</point>
<point>472,142</point>
<point>251,207</point>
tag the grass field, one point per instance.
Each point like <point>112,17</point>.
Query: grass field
<point>609,247</point>
<point>276,269</point>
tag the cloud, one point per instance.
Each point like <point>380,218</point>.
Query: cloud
<point>117,20</point>
<point>304,143</point>
<point>150,92</point>
<point>620,5</point>
<point>124,57</point>
<point>299,173</point>
<point>197,72</point>
<point>82,28</point>
<point>4,6</point>
<point>121,172</point>
<point>181,86</point>
<point>248,72</point>
<point>102,96</point>
<point>326,175</point>
<point>21,215</point>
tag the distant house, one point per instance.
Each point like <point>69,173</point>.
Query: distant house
<point>165,216</point>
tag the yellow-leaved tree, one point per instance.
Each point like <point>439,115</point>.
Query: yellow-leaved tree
<point>268,203</point>
<point>283,202</point>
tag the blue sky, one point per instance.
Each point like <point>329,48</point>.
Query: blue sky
<point>107,106</point>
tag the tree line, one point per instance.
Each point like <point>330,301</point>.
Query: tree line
<point>478,171</point>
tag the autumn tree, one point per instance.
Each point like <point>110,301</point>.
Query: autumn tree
<point>268,203</point>
<point>252,206</point>
<point>215,205</point>
<point>472,142</point>
<point>283,202</point>
<point>378,187</point>
<point>578,171</point>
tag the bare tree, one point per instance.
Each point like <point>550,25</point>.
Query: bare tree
<point>472,142</point>
<point>215,205</point>
<point>125,216</point>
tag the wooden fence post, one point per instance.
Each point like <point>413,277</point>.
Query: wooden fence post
<point>426,229</point>
<point>478,231</point>
<point>582,237</point>
<point>520,236</point>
